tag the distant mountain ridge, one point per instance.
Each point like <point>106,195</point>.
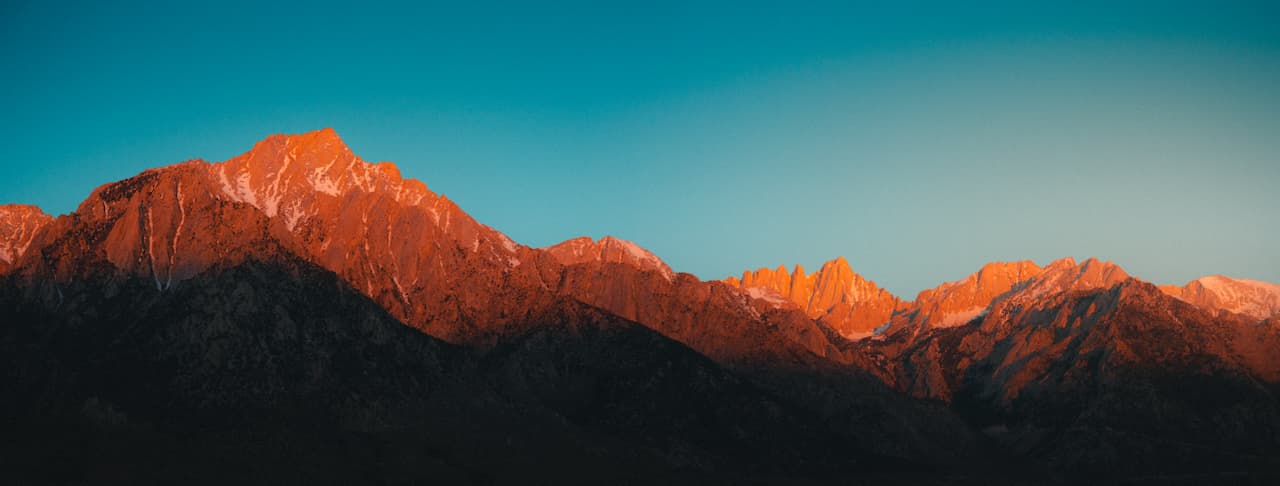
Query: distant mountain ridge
<point>277,257</point>
<point>1253,298</point>
<point>308,180</point>
<point>956,303</point>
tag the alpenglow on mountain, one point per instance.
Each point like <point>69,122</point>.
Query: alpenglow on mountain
<point>298,314</point>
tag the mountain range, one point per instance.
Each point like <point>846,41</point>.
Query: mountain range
<point>297,314</point>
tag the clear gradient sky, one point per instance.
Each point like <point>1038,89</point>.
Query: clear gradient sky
<point>918,141</point>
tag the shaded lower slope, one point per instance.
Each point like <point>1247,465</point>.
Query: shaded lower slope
<point>265,371</point>
<point>276,371</point>
<point>603,373</point>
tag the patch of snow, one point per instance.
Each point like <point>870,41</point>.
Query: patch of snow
<point>226,184</point>
<point>368,264</point>
<point>1230,286</point>
<point>507,243</point>
<point>292,214</point>
<point>767,295</point>
<point>403,296</point>
<point>151,247</point>
<point>961,317</point>
<point>641,256</point>
<point>1243,296</point>
<point>857,336</point>
<point>25,243</point>
<point>173,246</point>
<point>272,202</point>
<point>634,250</point>
<point>326,185</point>
<point>435,216</point>
<point>320,180</point>
<point>359,172</point>
<point>745,303</point>
<point>244,191</point>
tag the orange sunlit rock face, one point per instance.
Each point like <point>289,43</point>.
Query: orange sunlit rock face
<point>165,225</point>
<point>414,252</point>
<point>857,308</point>
<point>955,303</point>
<point>18,226</point>
<point>834,295</point>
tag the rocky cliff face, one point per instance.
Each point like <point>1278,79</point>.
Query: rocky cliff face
<point>18,226</point>
<point>1259,300</point>
<point>414,252</point>
<point>1065,275</point>
<point>165,225</point>
<point>856,308</point>
<point>956,303</point>
<point>834,295</point>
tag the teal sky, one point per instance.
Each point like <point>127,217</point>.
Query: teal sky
<point>919,140</point>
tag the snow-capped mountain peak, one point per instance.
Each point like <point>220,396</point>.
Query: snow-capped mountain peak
<point>1254,298</point>
<point>608,250</point>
